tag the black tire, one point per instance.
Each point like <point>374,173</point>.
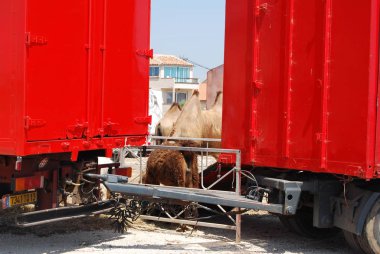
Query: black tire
<point>302,224</point>
<point>369,241</point>
<point>352,241</point>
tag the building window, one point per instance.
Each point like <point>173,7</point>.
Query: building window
<point>183,73</point>
<point>168,98</point>
<point>170,72</point>
<point>181,98</point>
<point>178,73</point>
<point>154,71</point>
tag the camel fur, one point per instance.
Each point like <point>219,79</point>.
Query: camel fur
<point>172,168</point>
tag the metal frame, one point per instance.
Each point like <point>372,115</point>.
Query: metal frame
<point>205,195</point>
<point>194,194</point>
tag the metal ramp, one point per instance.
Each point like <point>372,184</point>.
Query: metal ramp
<point>213,197</point>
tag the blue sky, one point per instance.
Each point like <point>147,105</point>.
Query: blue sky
<point>190,28</point>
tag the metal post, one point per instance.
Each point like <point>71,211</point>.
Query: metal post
<point>141,170</point>
<point>238,193</point>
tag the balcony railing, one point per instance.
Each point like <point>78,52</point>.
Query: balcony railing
<point>186,80</point>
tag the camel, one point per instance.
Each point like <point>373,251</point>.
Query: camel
<point>195,123</point>
<point>165,125</point>
<point>172,168</point>
<point>176,168</point>
<point>212,125</point>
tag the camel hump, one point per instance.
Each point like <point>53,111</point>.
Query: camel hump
<point>196,93</point>
<point>218,94</point>
<point>175,104</point>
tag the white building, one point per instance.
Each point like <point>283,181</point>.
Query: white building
<point>174,77</point>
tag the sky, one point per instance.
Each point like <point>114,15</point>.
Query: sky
<point>190,28</point>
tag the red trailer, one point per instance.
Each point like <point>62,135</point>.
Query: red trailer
<point>73,85</point>
<point>301,96</point>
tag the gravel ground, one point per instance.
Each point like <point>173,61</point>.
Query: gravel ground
<point>261,233</point>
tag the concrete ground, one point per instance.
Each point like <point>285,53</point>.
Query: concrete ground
<point>261,233</point>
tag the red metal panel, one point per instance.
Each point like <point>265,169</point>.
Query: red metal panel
<point>56,81</point>
<point>306,81</point>
<point>314,70</point>
<point>12,47</point>
<point>352,92</point>
<point>238,77</point>
<point>273,37</point>
<point>126,67</point>
<point>71,74</point>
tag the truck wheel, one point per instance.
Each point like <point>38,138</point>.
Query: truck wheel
<point>352,241</point>
<point>369,241</point>
<point>302,224</point>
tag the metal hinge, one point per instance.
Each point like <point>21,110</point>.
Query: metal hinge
<point>110,128</point>
<point>33,123</point>
<point>35,40</point>
<point>145,52</point>
<point>77,130</point>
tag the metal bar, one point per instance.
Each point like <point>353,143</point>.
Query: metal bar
<point>89,65</point>
<point>220,179</point>
<point>373,93</point>
<point>43,222</point>
<point>229,216</point>
<point>141,170</point>
<point>191,139</point>
<point>223,198</point>
<point>188,222</point>
<point>256,82</point>
<point>206,155</point>
<point>282,184</point>
<point>202,175</point>
<point>238,193</point>
<point>289,79</point>
<point>103,60</point>
<point>194,149</point>
<point>326,83</point>
<point>61,214</point>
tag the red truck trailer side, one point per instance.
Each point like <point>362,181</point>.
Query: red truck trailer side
<point>73,85</point>
<point>301,94</point>
<point>301,83</point>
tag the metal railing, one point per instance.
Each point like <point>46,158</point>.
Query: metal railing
<point>186,80</point>
<point>203,151</point>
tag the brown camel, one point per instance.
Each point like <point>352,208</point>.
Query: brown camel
<point>172,168</point>
<point>195,123</point>
<point>212,121</point>
<point>165,125</point>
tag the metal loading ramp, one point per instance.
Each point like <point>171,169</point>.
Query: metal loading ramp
<point>214,197</point>
<point>163,194</point>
